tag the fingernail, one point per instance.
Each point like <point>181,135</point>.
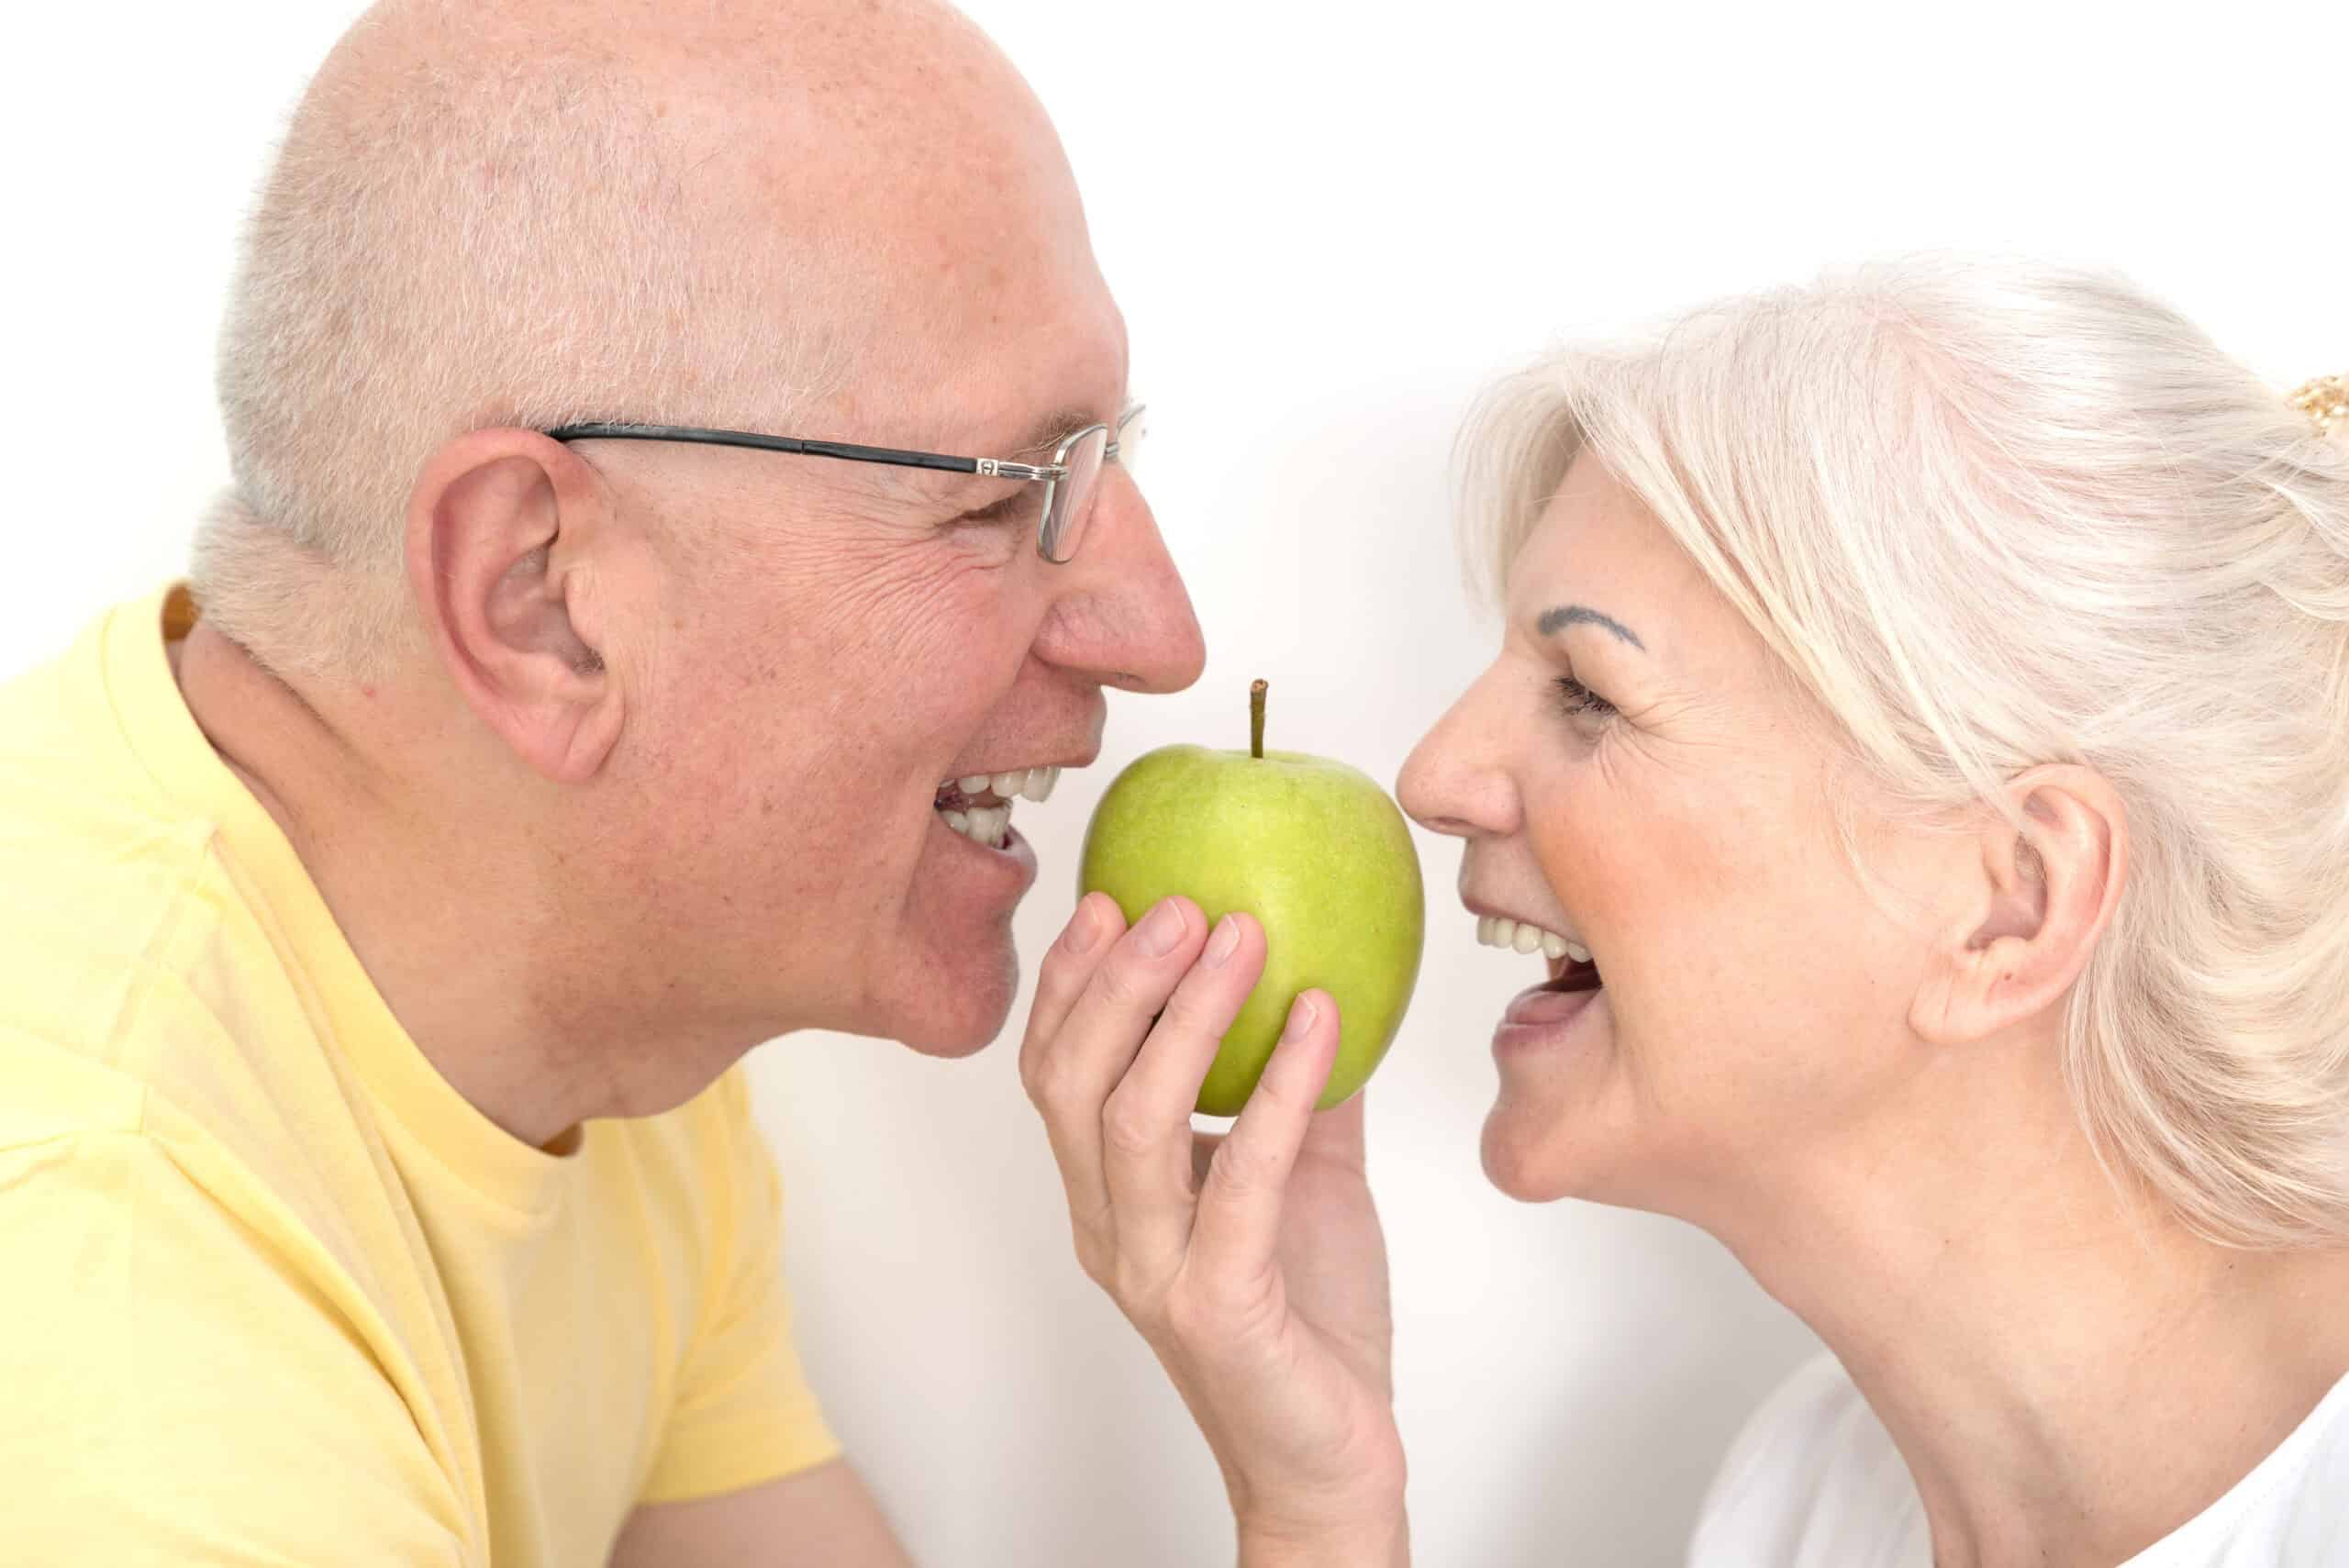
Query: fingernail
<point>1083,928</point>
<point>1161,931</point>
<point>1300,1019</point>
<point>1225,941</point>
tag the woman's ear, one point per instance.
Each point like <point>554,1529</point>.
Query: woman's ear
<point>2036,901</point>
<point>500,529</point>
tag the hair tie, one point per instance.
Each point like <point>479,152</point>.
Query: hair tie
<point>2325,401</point>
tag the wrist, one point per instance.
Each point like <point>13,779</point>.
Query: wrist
<point>1379,1537</point>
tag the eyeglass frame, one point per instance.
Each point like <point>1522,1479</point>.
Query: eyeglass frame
<point>1048,474</point>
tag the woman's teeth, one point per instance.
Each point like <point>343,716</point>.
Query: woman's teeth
<point>1501,931</point>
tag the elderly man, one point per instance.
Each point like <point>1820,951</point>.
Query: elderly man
<point>388,915</point>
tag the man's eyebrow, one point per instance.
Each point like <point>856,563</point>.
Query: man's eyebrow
<point>1046,433</point>
<point>1556,620</point>
<point>1043,438</point>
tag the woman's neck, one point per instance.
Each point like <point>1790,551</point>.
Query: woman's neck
<point>2069,1375</point>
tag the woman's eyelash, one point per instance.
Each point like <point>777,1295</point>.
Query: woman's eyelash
<point>1578,701</point>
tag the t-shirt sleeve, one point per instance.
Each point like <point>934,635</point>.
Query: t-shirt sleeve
<point>176,1393</point>
<point>744,1412</point>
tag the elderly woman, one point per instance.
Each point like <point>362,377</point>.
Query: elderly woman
<point>1922,731</point>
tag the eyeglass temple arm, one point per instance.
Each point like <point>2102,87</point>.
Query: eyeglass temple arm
<point>987,467</point>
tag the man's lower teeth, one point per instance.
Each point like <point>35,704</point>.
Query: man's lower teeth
<point>983,825</point>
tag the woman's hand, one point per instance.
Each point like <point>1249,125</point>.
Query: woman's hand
<point>1252,1261</point>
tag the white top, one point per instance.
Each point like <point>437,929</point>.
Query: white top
<point>1814,1482</point>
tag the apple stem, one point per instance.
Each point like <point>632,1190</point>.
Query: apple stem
<point>1256,721</point>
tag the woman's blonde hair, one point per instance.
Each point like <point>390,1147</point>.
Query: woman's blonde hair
<point>1994,515</point>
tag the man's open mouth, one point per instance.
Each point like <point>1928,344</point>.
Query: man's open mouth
<point>1570,963</point>
<point>978,805</point>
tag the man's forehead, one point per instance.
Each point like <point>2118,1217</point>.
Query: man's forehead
<point>1010,379</point>
<point>927,249</point>
<point>815,95</point>
<point>823,43</point>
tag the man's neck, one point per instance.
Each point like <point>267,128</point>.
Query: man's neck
<point>455,917</point>
<point>2069,1375</point>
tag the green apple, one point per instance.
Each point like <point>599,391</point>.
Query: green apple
<point>1313,849</point>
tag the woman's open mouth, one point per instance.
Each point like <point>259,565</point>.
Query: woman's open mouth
<point>1537,1012</point>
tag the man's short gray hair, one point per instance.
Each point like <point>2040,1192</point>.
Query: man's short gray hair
<point>478,241</point>
<point>1998,515</point>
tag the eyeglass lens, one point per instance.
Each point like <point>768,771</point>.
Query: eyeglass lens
<point>1069,513</point>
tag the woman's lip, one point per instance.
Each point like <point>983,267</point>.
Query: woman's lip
<point>1539,1015</point>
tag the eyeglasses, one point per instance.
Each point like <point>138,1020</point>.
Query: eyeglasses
<point>1070,480</point>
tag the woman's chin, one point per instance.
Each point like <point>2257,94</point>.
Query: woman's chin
<point>1541,1159</point>
<point>1575,1134</point>
<point>1548,1135</point>
<point>1539,1148</point>
<point>1534,1157</point>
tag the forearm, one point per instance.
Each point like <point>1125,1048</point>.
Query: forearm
<point>1379,1542</point>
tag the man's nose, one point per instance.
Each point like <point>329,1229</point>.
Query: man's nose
<point>1123,614</point>
<point>1454,781</point>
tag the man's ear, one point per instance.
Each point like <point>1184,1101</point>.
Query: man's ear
<point>2036,902</point>
<point>501,526</point>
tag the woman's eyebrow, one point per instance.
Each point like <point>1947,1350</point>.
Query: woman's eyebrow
<point>1556,620</point>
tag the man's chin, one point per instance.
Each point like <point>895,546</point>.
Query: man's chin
<point>950,1050</point>
<point>951,1011</point>
<point>954,1038</point>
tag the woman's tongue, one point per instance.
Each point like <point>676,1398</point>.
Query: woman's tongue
<point>1554,1001</point>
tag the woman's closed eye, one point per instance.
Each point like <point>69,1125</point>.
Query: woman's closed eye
<point>1578,701</point>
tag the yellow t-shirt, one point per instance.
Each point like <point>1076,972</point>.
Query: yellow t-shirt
<point>270,1291</point>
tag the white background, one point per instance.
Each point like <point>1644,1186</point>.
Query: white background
<point>1328,226</point>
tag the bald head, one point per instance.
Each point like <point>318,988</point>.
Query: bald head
<point>543,212</point>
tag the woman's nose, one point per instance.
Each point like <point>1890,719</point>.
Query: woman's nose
<point>1453,781</point>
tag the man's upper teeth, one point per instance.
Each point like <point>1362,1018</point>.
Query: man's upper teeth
<point>1036,784</point>
<point>1501,931</point>
<point>984,825</point>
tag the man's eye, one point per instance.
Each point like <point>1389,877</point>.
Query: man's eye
<point>1578,701</point>
<point>1007,510</point>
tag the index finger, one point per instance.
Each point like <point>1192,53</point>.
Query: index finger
<point>1068,966</point>
<point>1238,1226</point>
